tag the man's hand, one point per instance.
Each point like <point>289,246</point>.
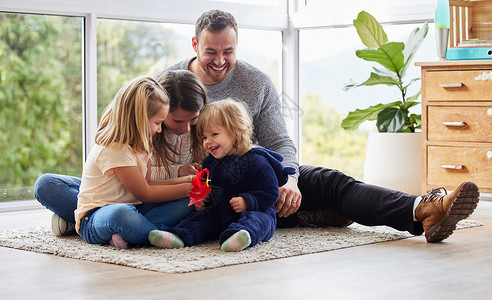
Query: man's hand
<point>289,199</point>
<point>189,169</point>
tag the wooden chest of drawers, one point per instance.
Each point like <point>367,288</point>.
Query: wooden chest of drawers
<point>457,124</point>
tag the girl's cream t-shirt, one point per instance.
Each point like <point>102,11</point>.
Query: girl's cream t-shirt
<point>100,185</point>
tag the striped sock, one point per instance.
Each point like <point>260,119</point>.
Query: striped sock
<point>237,242</point>
<point>165,239</point>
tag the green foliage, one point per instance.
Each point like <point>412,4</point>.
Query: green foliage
<point>395,57</point>
<point>35,105</point>
<point>325,143</point>
<point>371,33</point>
<point>41,89</point>
<point>127,49</point>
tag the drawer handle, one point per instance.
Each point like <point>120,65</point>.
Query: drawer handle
<point>454,124</point>
<point>451,85</point>
<point>452,167</point>
<point>489,154</point>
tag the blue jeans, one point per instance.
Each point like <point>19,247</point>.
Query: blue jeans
<point>133,223</point>
<point>58,193</point>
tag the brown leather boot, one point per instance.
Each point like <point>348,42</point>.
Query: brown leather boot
<point>322,218</point>
<point>439,212</point>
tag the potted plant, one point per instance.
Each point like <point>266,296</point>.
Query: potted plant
<point>393,118</point>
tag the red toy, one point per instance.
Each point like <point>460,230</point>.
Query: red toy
<point>200,187</point>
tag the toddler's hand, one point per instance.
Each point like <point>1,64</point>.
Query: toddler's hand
<point>205,201</point>
<point>238,204</point>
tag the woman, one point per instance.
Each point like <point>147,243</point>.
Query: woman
<point>175,158</point>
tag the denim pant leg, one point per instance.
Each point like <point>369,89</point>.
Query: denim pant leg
<point>98,226</point>
<point>363,203</point>
<point>166,214</point>
<point>58,193</point>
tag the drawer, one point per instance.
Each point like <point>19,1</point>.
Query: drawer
<point>449,166</point>
<point>458,85</point>
<point>459,123</point>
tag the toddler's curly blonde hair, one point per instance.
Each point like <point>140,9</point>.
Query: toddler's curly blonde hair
<point>233,116</point>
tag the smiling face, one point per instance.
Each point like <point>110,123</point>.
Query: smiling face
<point>218,142</point>
<point>155,122</point>
<point>216,55</point>
<point>180,120</point>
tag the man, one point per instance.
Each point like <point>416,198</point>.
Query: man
<point>315,196</point>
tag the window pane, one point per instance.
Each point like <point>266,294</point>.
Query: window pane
<point>40,100</point>
<point>262,49</point>
<point>127,49</point>
<point>274,3</point>
<point>327,63</point>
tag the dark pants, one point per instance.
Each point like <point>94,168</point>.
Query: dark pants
<point>208,225</point>
<point>363,203</point>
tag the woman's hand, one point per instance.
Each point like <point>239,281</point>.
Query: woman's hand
<point>189,169</point>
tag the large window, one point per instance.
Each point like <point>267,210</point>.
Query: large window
<point>126,49</point>
<point>50,66</point>
<point>327,63</point>
<point>130,48</point>
<point>41,95</point>
<point>262,49</point>
<point>40,100</point>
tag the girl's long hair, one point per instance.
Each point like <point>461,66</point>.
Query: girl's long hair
<point>233,116</point>
<point>187,92</point>
<point>125,119</point>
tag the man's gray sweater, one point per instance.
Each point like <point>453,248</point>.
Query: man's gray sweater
<point>250,85</point>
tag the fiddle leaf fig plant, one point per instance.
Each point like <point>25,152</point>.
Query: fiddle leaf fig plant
<point>394,57</point>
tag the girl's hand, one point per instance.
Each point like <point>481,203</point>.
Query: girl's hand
<point>155,190</point>
<point>189,169</point>
<point>238,204</point>
<point>188,179</point>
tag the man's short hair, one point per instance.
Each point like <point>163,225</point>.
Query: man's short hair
<point>214,21</point>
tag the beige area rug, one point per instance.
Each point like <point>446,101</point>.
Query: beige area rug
<point>285,243</point>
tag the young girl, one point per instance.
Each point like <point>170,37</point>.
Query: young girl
<point>244,182</point>
<point>175,150</point>
<point>116,176</point>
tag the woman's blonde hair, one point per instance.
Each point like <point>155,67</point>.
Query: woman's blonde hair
<point>125,120</point>
<point>233,116</point>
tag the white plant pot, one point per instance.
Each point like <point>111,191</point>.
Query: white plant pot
<point>394,160</point>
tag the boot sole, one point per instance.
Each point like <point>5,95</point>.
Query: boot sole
<point>463,205</point>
